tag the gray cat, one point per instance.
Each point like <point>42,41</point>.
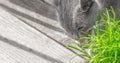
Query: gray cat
<point>78,16</point>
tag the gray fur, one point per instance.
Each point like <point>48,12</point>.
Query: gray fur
<point>76,16</point>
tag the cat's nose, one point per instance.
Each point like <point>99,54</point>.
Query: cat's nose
<point>80,28</point>
<point>80,31</point>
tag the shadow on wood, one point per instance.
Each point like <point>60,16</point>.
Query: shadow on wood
<point>36,6</point>
<point>13,43</point>
<point>13,11</point>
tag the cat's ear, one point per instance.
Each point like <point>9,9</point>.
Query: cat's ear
<point>53,3</point>
<point>86,4</point>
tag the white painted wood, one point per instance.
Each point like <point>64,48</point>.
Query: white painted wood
<point>11,54</point>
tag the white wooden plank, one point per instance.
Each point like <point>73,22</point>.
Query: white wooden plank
<point>11,54</point>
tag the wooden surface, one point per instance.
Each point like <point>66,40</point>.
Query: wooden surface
<point>29,33</point>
